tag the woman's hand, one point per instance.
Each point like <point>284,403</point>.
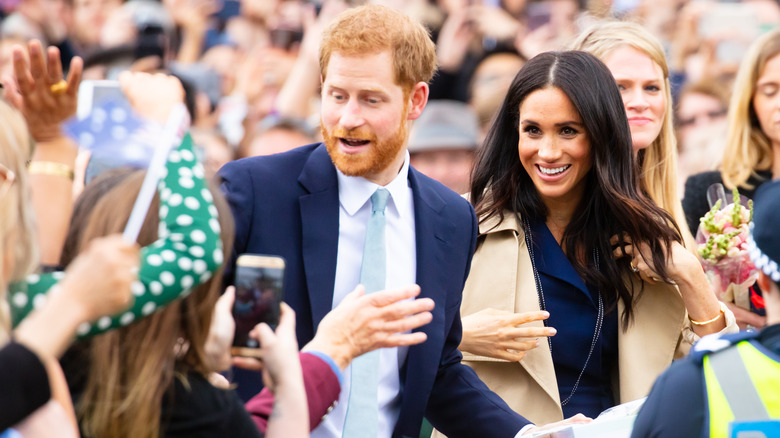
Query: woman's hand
<point>685,271</point>
<point>98,280</point>
<point>680,262</point>
<point>38,90</point>
<point>221,332</point>
<point>279,349</point>
<point>496,333</point>
<point>363,323</point>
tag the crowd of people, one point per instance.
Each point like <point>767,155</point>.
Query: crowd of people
<point>489,214</point>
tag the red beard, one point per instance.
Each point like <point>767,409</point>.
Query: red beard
<point>372,161</point>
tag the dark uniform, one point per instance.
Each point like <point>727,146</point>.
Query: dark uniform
<point>677,405</point>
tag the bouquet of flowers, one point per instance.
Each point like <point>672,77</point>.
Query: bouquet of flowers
<point>722,248</point>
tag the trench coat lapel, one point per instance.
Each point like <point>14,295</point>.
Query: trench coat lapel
<point>498,290</point>
<point>647,349</point>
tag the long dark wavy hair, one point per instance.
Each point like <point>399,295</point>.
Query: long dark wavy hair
<point>614,202</point>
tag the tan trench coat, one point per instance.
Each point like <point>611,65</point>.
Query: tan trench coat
<point>502,278</point>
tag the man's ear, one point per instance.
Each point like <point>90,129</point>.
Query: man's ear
<point>418,98</point>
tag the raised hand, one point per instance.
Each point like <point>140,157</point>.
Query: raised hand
<point>498,334</point>
<point>152,95</point>
<point>362,323</point>
<point>454,40</point>
<point>40,91</point>
<point>684,270</point>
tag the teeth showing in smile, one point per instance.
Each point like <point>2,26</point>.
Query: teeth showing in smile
<point>354,142</point>
<point>554,171</point>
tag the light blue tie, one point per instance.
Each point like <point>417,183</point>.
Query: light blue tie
<point>362,410</point>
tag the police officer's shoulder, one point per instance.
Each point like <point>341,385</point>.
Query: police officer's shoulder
<point>718,341</point>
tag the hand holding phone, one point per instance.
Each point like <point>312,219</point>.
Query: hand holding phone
<point>259,288</point>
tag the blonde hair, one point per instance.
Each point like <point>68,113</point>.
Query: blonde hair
<point>372,29</point>
<point>16,211</point>
<point>132,368</point>
<point>747,147</point>
<point>659,160</point>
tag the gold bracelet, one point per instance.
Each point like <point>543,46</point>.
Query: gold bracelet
<point>50,168</point>
<point>709,321</point>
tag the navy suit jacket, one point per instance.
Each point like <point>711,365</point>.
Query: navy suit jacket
<point>288,205</point>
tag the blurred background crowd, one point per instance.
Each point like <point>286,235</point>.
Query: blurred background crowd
<point>251,79</point>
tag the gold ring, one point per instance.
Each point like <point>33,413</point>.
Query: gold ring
<point>59,87</point>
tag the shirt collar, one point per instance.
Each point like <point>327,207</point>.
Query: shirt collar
<point>355,191</point>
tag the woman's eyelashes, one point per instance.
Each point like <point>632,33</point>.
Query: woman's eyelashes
<point>564,131</point>
<point>568,131</point>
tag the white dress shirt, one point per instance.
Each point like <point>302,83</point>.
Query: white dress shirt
<point>354,212</point>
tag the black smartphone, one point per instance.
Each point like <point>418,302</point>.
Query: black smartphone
<point>259,287</point>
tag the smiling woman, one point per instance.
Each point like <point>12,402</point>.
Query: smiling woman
<point>637,62</point>
<point>553,146</point>
<point>641,84</point>
<point>564,229</point>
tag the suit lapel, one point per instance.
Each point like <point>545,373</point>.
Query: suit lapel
<point>319,230</point>
<point>509,289</point>
<point>432,245</point>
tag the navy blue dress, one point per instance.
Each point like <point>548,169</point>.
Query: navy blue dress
<point>573,308</point>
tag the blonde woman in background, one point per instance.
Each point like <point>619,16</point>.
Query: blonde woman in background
<point>700,121</point>
<point>752,153</point>
<point>637,61</point>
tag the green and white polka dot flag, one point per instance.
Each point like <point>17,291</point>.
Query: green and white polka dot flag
<point>187,252</point>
